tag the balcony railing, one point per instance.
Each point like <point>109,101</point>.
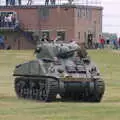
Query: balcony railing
<point>7,26</point>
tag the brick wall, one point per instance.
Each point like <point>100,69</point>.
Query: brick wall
<point>57,19</point>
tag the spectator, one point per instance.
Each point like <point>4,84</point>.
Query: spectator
<point>2,20</point>
<point>7,20</point>
<point>115,44</point>
<point>12,2</point>
<point>2,45</point>
<point>46,2</point>
<point>101,42</point>
<point>8,47</point>
<point>52,2</point>
<point>119,41</point>
<point>96,45</point>
<point>70,1</point>
<point>10,20</point>
<point>108,41</point>
<point>29,2</point>
<point>7,2</point>
<point>19,2</point>
<point>90,40</point>
<point>13,17</point>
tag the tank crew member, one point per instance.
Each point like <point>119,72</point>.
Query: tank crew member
<point>82,53</point>
<point>45,38</point>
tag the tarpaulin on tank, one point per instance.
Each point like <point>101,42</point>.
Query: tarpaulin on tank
<point>30,68</point>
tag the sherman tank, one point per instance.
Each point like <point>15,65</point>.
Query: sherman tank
<point>63,69</point>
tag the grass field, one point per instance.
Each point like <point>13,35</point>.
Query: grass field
<point>12,108</point>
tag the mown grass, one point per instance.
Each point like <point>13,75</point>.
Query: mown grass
<point>12,108</point>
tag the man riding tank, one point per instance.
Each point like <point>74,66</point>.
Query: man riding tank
<point>45,38</point>
<point>82,53</point>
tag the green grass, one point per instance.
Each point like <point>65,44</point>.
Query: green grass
<point>12,108</point>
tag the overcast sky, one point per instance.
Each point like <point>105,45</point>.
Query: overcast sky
<point>111,14</point>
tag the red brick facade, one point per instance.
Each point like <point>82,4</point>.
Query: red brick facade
<point>75,21</point>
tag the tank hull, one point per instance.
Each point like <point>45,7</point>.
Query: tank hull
<point>60,68</point>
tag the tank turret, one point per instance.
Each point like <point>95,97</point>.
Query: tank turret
<point>59,68</point>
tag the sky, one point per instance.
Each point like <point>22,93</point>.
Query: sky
<point>111,14</point>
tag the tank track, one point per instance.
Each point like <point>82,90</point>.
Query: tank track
<point>88,94</point>
<point>42,89</point>
<point>95,94</point>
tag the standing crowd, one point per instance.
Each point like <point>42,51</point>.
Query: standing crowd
<point>3,43</point>
<point>7,20</point>
<point>13,2</point>
<point>114,43</point>
<point>51,1</point>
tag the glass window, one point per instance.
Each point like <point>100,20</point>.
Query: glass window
<point>44,12</point>
<point>89,14</point>
<point>79,12</point>
<point>61,34</point>
<point>78,35</point>
<point>85,37</point>
<point>84,12</point>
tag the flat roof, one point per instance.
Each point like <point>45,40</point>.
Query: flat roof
<point>50,6</point>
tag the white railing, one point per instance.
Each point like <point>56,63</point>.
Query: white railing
<point>59,2</point>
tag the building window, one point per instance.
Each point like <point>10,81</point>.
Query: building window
<point>84,13</point>
<point>79,12</point>
<point>85,37</point>
<point>44,12</point>
<point>46,33</point>
<point>8,19</point>
<point>61,34</point>
<point>89,14</point>
<point>79,35</point>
